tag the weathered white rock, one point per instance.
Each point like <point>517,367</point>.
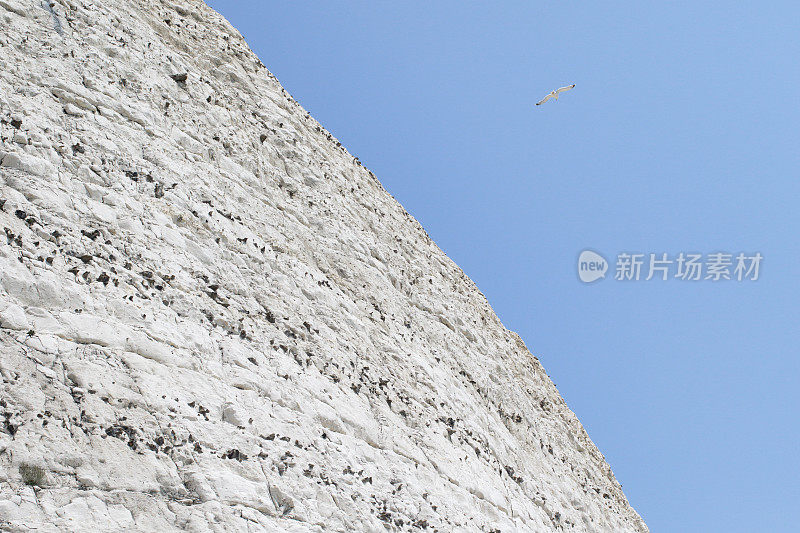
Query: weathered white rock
<point>13,317</point>
<point>214,318</point>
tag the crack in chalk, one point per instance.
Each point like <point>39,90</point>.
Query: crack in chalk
<point>56,21</point>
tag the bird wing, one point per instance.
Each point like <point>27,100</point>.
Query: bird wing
<point>567,88</point>
<point>546,98</point>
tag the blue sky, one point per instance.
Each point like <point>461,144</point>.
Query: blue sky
<point>680,136</point>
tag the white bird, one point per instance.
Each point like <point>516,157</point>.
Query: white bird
<point>555,94</point>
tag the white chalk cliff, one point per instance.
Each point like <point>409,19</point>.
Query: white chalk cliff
<point>214,318</point>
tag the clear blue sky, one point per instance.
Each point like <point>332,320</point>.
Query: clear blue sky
<point>681,135</point>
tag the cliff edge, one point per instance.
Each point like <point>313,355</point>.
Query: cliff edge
<point>214,318</point>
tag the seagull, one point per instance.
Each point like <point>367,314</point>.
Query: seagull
<point>555,94</point>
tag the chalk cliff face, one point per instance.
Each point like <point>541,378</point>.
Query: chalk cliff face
<point>215,319</point>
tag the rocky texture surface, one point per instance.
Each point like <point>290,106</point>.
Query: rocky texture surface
<point>215,319</point>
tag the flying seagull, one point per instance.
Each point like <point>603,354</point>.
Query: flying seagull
<point>555,94</point>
